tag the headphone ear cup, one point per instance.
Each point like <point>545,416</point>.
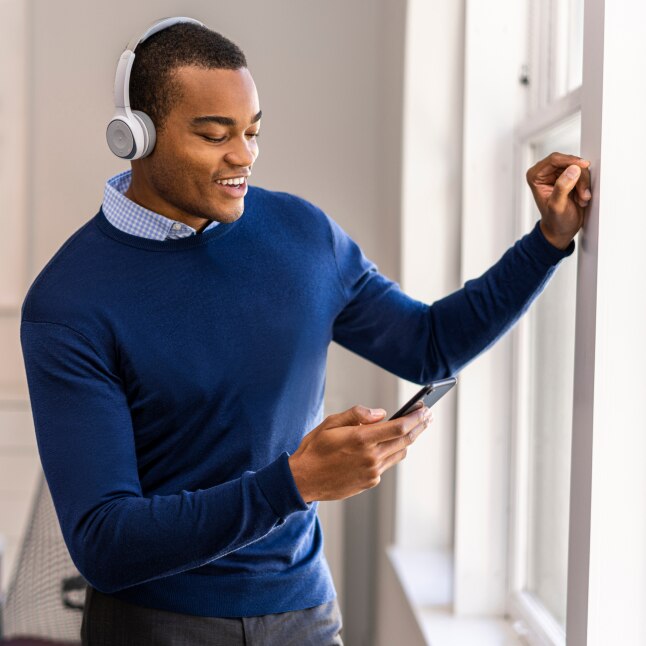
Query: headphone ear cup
<point>148,130</point>
<point>121,138</point>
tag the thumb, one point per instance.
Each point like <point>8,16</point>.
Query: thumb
<point>563,186</point>
<point>356,415</point>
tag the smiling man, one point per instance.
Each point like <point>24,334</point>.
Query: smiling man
<point>175,349</point>
<point>198,174</point>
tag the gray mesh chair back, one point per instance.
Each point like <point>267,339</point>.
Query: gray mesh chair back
<point>46,592</point>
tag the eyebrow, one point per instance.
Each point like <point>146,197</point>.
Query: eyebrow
<point>223,121</point>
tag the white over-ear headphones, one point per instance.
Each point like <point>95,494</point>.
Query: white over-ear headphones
<point>131,133</point>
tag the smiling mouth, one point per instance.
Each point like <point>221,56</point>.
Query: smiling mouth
<point>231,181</point>
<point>236,186</point>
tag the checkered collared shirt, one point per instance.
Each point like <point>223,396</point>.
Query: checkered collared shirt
<point>131,218</point>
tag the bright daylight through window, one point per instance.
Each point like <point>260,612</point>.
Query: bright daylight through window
<point>550,383</point>
<point>545,343</point>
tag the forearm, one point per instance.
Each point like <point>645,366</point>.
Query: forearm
<point>467,322</point>
<point>133,539</point>
<point>421,342</point>
<point>116,535</point>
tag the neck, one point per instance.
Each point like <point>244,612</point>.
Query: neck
<point>143,194</point>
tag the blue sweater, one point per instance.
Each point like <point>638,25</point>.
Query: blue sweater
<point>170,380</point>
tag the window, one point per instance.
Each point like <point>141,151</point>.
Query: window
<point>552,546</point>
<point>555,49</point>
<point>542,433</point>
<point>544,344</point>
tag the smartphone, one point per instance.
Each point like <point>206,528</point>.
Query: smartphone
<point>428,395</point>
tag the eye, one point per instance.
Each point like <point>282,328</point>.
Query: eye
<point>215,140</point>
<point>253,134</point>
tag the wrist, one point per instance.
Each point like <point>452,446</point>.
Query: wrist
<point>559,241</point>
<point>299,479</point>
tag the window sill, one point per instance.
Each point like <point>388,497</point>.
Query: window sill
<point>429,598</point>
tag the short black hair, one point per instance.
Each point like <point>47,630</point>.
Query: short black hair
<point>153,89</point>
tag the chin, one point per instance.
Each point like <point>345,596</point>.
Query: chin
<point>228,215</point>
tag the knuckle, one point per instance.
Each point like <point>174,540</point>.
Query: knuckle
<point>359,413</point>
<point>373,482</point>
<point>371,462</point>
<point>360,438</point>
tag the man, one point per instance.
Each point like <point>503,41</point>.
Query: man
<point>175,351</point>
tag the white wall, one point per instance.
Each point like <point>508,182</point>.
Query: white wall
<point>331,133</point>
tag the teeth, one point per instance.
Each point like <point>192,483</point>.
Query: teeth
<point>235,181</point>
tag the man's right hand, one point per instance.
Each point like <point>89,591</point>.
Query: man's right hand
<point>347,453</point>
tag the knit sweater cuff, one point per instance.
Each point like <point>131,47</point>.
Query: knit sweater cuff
<point>277,484</point>
<point>539,247</point>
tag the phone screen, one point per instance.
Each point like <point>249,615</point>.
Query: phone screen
<point>429,395</point>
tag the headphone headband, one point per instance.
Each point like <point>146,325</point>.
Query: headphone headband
<point>158,25</point>
<point>124,67</point>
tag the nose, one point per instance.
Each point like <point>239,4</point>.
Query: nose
<point>242,151</point>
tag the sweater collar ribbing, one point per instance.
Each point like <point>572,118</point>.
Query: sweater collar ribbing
<point>189,242</point>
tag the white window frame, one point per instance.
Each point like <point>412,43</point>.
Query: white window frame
<point>549,66</point>
<point>604,601</point>
<point>531,619</point>
<point>607,561</point>
<point>606,534</point>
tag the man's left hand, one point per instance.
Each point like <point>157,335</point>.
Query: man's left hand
<point>561,187</point>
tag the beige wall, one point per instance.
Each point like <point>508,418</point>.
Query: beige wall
<point>329,78</point>
<point>19,464</point>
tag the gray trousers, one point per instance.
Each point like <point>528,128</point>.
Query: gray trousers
<point>111,622</point>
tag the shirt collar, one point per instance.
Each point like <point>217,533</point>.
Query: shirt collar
<point>130,217</point>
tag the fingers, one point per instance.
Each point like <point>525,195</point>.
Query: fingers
<point>561,160</point>
<point>389,447</point>
<point>393,429</point>
<point>393,459</point>
<point>354,416</point>
<point>391,452</point>
<point>583,188</point>
<point>548,170</point>
<point>348,451</point>
<point>563,187</point>
<point>554,164</point>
